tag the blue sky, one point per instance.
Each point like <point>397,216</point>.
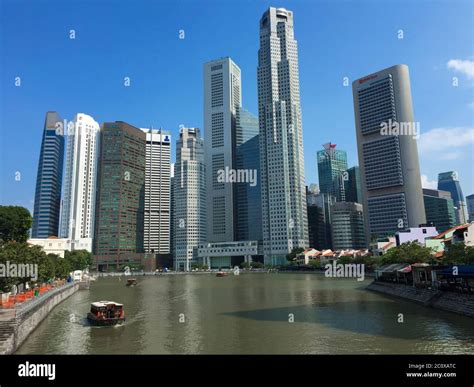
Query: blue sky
<point>140,40</point>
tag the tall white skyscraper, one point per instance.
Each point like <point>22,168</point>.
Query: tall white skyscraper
<point>222,97</point>
<point>284,215</point>
<point>78,204</point>
<point>388,159</point>
<point>189,198</point>
<point>157,195</point>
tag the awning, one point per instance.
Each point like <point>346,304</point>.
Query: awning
<point>405,270</point>
<point>392,267</point>
<point>463,271</point>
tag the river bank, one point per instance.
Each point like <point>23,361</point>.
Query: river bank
<point>18,323</point>
<point>462,304</point>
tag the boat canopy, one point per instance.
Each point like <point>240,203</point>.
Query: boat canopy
<point>103,304</point>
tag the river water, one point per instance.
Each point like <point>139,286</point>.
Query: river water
<point>273,313</point>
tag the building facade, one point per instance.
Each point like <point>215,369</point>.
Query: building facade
<point>47,205</point>
<point>157,193</point>
<point>388,159</point>
<point>347,226</point>
<point>231,158</point>
<point>418,234</point>
<point>222,97</point>
<point>439,209</point>
<point>79,198</point>
<point>284,213</point>
<point>189,198</point>
<point>332,165</point>
<point>319,219</point>
<point>449,181</point>
<point>119,230</point>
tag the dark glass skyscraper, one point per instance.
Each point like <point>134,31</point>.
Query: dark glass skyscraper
<point>49,180</point>
<point>119,230</point>
<point>439,208</point>
<point>352,185</point>
<point>319,219</point>
<point>449,181</point>
<point>248,208</point>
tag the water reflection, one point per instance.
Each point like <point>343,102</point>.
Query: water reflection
<point>250,313</point>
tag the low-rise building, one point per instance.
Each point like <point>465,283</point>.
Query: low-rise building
<point>306,256</point>
<point>419,234</point>
<point>58,246</point>
<point>229,254</point>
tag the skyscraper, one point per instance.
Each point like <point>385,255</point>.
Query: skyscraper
<point>388,159</point>
<point>157,193</point>
<point>470,207</point>
<point>439,209</point>
<point>78,204</point>
<point>449,181</point>
<point>49,179</point>
<point>172,212</point>
<point>118,238</point>
<point>352,185</point>
<point>190,198</point>
<point>284,213</point>
<point>248,207</point>
<point>347,225</point>
<point>319,218</point>
<point>332,164</point>
<point>222,97</point>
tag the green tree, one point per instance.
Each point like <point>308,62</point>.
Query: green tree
<point>458,253</point>
<point>315,263</point>
<point>15,223</point>
<point>294,253</point>
<point>78,259</point>
<point>410,252</point>
<point>256,265</point>
<point>62,267</point>
<point>244,265</point>
<point>15,252</point>
<point>344,260</point>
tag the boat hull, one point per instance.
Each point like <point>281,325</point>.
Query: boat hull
<point>104,322</point>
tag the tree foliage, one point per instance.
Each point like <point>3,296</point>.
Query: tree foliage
<point>49,266</point>
<point>458,253</point>
<point>294,253</point>
<point>410,252</point>
<point>15,223</point>
<point>78,259</point>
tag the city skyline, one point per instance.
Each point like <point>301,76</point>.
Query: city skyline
<point>19,122</point>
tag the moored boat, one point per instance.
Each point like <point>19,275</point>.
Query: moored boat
<point>105,313</point>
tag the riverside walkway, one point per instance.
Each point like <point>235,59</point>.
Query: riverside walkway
<point>18,319</point>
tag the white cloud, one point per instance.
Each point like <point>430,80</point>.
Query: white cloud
<point>427,183</point>
<point>450,155</point>
<point>465,67</point>
<point>446,142</point>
